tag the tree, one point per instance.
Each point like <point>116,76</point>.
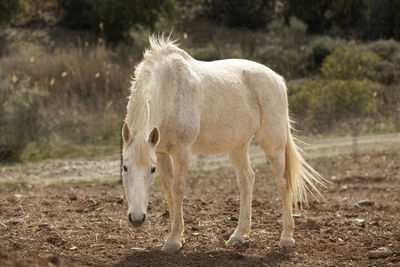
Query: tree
<point>114,18</point>
<point>321,15</point>
<point>8,8</point>
<point>382,19</point>
<point>251,14</point>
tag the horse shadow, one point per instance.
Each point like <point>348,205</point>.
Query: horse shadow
<point>213,258</point>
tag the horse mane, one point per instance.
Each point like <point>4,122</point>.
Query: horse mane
<point>160,46</point>
<point>138,109</point>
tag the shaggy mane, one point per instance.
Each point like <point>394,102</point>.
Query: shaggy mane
<point>138,110</point>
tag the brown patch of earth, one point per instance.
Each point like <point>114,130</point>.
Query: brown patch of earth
<point>85,225</point>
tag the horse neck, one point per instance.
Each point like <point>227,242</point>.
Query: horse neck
<point>141,113</point>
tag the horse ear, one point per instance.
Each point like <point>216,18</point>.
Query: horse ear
<point>125,133</point>
<point>154,136</point>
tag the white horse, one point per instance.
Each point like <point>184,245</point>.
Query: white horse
<point>179,106</point>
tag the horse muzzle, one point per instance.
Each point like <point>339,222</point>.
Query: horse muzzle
<point>136,222</point>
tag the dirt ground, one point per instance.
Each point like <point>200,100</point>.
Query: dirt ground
<point>357,222</point>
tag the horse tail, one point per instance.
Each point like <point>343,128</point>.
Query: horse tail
<point>300,176</point>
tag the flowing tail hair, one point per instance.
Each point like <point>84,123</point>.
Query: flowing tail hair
<point>300,176</point>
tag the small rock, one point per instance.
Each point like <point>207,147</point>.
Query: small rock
<point>382,252</point>
<point>365,203</point>
<point>358,207</point>
<point>139,249</point>
<point>195,234</point>
<point>43,225</point>
<point>340,240</point>
<point>18,195</point>
<point>73,248</point>
<point>374,223</point>
<point>97,245</point>
<point>359,222</point>
<point>234,219</point>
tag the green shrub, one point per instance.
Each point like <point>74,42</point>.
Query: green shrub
<point>297,28</point>
<point>8,8</point>
<point>294,29</point>
<point>20,117</point>
<point>350,64</point>
<point>321,48</point>
<point>300,93</point>
<point>287,62</point>
<point>207,53</point>
<point>324,103</point>
<point>386,49</point>
<point>341,99</point>
<point>387,72</point>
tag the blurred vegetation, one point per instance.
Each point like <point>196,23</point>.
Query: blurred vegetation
<point>66,65</point>
<point>322,103</point>
<point>113,19</point>
<point>8,8</point>
<point>20,120</point>
<point>251,14</point>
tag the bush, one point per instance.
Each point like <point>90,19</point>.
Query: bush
<point>287,62</point>
<point>321,48</point>
<point>350,64</point>
<point>20,118</point>
<point>295,29</point>
<point>113,18</point>
<point>7,10</point>
<point>387,71</point>
<point>208,53</point>
<point>324,103</point>
<point>251,14</point>
<point>386,49</point>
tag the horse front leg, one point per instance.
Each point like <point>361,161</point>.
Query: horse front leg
<point>164,167</point>
<point>180,166</point>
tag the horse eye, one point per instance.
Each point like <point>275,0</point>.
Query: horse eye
<point>153,170</point>
<point>125,168</point>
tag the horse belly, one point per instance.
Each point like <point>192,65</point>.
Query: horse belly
<point>222,131</point>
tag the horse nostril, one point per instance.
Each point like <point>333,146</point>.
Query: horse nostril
<point>130,219</point>
<point>144,217</point>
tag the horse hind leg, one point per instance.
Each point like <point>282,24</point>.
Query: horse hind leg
<point>274,149</point>
<point>245,179</point>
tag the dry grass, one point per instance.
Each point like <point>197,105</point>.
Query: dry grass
<point>84,95</point>
<point>81,75</point>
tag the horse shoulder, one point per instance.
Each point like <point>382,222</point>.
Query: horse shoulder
<point>181,119</point>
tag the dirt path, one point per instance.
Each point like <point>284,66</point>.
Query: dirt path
<point>59,171</point>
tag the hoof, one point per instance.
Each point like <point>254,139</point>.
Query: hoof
<point>172,247</point>
<point>234,241</point>
<point>286,242</point>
